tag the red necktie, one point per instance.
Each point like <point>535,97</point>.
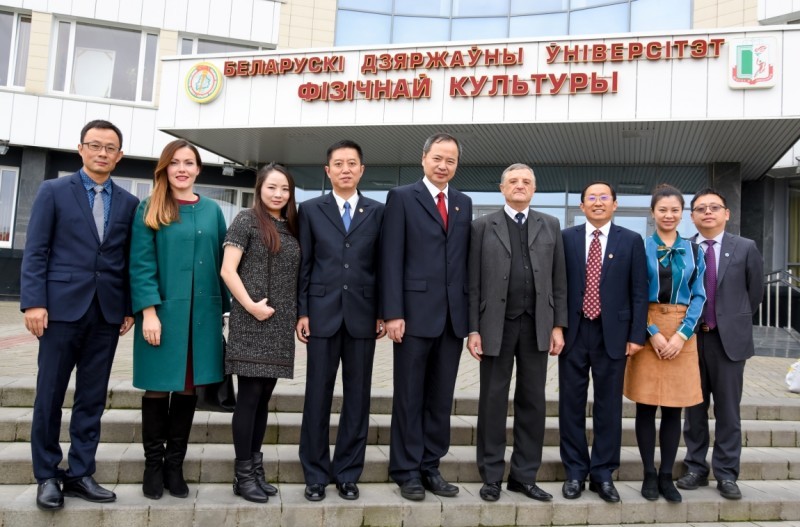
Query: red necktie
<point>442,206</point>
<point>591,298</point>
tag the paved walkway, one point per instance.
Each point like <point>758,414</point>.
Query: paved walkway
<point>764,376</point>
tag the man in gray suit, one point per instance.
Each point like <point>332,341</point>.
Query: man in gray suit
<point>517,310</point>
<point>734,288</point>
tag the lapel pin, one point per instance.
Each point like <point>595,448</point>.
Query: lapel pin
<point>610,255</point>
<point>727,255</point>
<point>360,210</point>
<point>457,209</point>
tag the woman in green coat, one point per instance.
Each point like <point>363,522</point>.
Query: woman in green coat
<point>178,300</point>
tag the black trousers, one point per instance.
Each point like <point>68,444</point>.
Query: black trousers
<point>87,345</point>
<point>519,343</point>
<point>425,371</point>
<point>588,356</point>
<point>723,379</point>
<point>324,354</point>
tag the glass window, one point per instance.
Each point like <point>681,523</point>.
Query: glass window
<point>422,7</point>
<point>104,62</point>
<point>380,6</point>
<point>8,200</point>
<point>6,24</point>
<point>654,15</point>
<point>607,19</point>
<point>530,7</point>
<point>477,28</point>
<point>408,29</point>
<point>580,4</point>
<point>187,46</point>
<point>538,25</point>
<point>355,29</point>
<point>138,187</point>
<point>479,8</point>
<point>210,46</point>
<point>225,198</point>
<point>15,36</point>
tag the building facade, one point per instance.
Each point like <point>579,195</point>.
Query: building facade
<point>637,92</point>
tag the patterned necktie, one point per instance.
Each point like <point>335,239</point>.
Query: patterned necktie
<point>442,206</point>
<point>520,218</point>
<point>98,211</point>
<point>346,216</point>
<point>591,298</point>
<point>709,311</point>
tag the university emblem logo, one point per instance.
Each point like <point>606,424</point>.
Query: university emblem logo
<point>203,82</point>
<point>752,63</point>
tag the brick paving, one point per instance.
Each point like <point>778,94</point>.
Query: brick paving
<point>764,376</point>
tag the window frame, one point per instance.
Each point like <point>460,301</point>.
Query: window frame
<point>13,50</point>
<point>197,38</point>
<point>9,244</point>
<point>70,62</point>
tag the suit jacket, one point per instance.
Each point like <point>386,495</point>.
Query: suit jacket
<point>65,265</point>
<point>623,288</point>
<point>424,268</point>
<point>740,289</point>
<point>338,269</point>
<point>490,268</point>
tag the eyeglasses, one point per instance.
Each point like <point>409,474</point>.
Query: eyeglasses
<point>96,147</point>
<point>605,198</point>
<point>714,207</point>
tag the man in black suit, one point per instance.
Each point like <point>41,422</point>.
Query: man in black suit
<point>724,343</point>
<point>76,300</point>
<point>517,309</point>
<point>337,307</point>
<point>424,250</point>
<point>607,323</point>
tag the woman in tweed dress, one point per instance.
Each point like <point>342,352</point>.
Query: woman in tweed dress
<point>259,267</point>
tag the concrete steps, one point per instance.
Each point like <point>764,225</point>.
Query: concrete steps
<point>381,504</point>
<point>770,473</point>
<point>124,426</point>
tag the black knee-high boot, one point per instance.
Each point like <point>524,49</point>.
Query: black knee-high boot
<point>155,423</point>
<point>181,414</point>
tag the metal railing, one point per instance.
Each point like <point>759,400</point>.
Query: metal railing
<point>777,284</point>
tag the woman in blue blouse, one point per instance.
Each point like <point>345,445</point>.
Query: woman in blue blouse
<point>666,372</point>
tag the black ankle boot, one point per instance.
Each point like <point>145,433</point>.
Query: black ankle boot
<point>666,488</point>
<point>244,482</point>
<point>181,414</point>
<point>258,470</point>
<point>155,421</point>
<point>650,486</point>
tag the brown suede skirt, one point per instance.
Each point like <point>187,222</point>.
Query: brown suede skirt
<point>659,382</point>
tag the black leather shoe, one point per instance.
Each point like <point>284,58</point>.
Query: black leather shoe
<point>49,496</point>
<point>412,489</point>
<point>729,489</point>
<point>692,480</point>
<point>439,486</point>
<point>348,491</point>
<point>572,489</point>
<point>491,491</point>
<point>529,489</point>
<point>315,492</point>
<point>605,490</point>
<point>87,488</point>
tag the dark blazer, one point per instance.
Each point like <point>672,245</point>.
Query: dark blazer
<point>65,264</point>
<point>423,269</point>
<point>740,289</point>
<point>623,288</point>
<point>338,269</point>
<point>490,267</point>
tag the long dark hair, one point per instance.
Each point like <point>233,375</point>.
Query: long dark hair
<point>269,234</point>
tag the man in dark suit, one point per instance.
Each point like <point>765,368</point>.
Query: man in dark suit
<point>517,309</point>
<point>424,249</point>
<point>724,343</point>
<point>607,322</point>
<point>76,300</point>
<point>337,308</point>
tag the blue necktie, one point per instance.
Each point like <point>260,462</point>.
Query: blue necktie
<point>346,216</point>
